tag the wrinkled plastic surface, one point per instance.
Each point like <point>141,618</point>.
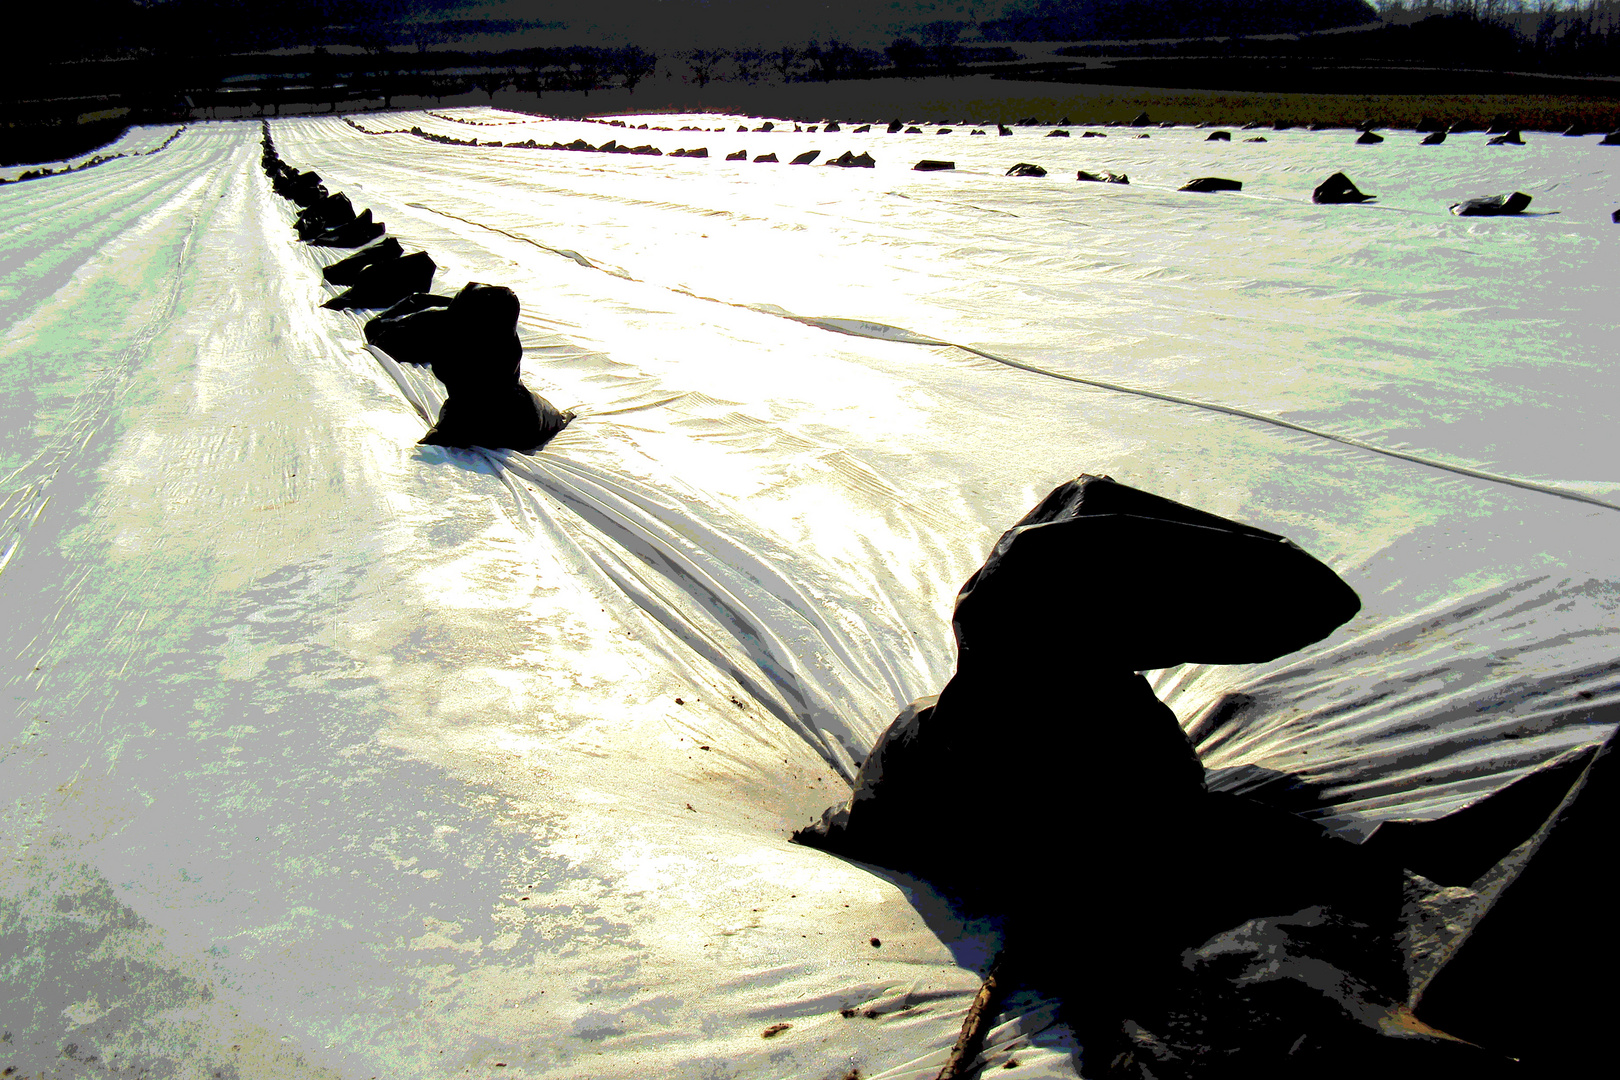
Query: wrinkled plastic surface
<point>368,759</point>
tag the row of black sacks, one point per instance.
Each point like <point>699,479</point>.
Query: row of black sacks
<point>1437,133</point>
<point>613,146</point>
<point>1433,136</point>
<point>1512,137</point>
<point>470,340</point>
<point>1339,188</point>
<point>1499,126</point>
<point>1335,189</point>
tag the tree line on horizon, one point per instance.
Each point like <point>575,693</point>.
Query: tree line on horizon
<point>153,66</point>
<point>111,29</point>
<point>1545,28</point>
<point>1500,35</point>
<point>1136,20</point>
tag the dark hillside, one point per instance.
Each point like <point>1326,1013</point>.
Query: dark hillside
<point>1126,20</point>
<point>26,144</point>
<point>1481,51</point>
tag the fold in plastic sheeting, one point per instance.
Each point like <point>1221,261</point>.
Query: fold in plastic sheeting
<point>367,759</point>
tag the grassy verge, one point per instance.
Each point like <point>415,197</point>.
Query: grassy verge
<point>980,99</point>
<point>976,98</point>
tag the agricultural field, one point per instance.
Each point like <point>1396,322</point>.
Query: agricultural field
<point>333,755</point>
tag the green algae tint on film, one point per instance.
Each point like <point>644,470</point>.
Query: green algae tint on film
<point>50,373</point>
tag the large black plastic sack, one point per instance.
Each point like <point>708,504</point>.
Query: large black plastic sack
<point>1211,183</point>
<point>1114,577</point>
<point>1046,714</point>
<point>1339,189</point>
<point>1059,755</point>
<point>514,418</point>
<point>1492,206</point>
<point>350,234</point>
<point>1546,934</point>
<point>476,355</point>
<point>385,283</point>
<point>481,352</point>
<point>413,331</point>
<point>304,188</point>
<point>318,217</point>
<point>347,271</point>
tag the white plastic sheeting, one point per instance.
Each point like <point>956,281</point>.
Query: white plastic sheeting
<point>330,755</point>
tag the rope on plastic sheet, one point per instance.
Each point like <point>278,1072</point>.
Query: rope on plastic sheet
<point>884,332</point>
<point>861,328</point>
<point>564,252</point>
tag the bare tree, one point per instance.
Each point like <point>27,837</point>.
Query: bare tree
<point>634,64</point>
<point>1547,20</point>
<point>423,34</point>
<point>702,63</point>
<point>787,61</point>
<point>940,36</point>
<point>584,70</point>
<point>748,61</point>
<point>942,33</point>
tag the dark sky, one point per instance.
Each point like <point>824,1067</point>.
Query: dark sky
<point>716,20</point>
<point>116,27</point>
